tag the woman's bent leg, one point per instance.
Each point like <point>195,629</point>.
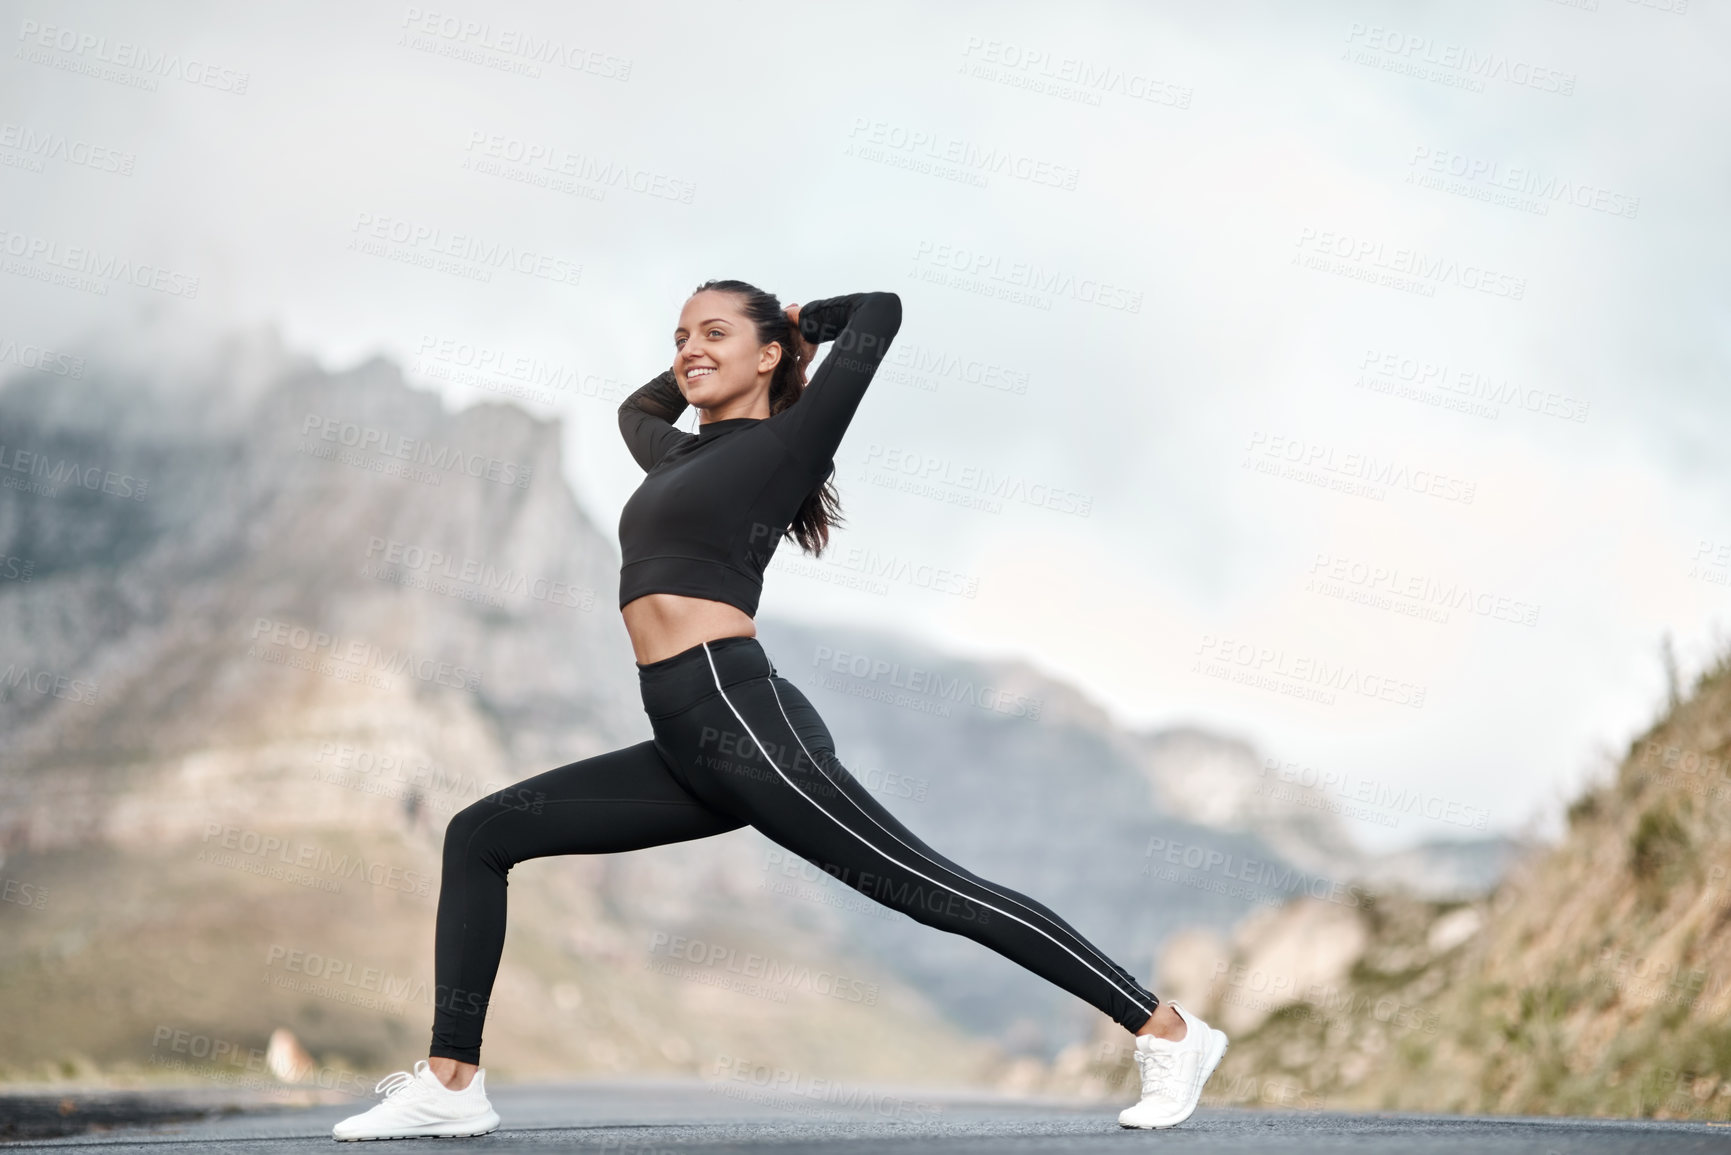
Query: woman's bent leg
<point>760,751</point>
<point>622,800</point>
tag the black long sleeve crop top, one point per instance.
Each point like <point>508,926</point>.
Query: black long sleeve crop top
<point>714,504</point>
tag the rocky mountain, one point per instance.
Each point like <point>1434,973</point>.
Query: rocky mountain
<point>266,629</point>
<point>1221,781</point>
<point>267,626</point>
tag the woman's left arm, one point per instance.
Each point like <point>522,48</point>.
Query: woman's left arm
<point>862,325</point>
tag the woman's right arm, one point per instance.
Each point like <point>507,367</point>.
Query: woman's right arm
<point>646,419</point>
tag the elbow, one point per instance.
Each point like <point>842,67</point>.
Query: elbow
<point>629,420</point>
<point>888,307</point>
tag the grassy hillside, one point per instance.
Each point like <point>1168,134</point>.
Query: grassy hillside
<point>1596,980</point>
<point>179,963</point>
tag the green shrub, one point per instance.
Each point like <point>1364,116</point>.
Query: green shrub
<point>1658,846</point>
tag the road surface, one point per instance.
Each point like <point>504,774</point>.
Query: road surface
<point>687,1118</point>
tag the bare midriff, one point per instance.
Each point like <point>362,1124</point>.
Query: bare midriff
<point>662,625</point>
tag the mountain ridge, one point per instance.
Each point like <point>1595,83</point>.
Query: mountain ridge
<point>339,611</point>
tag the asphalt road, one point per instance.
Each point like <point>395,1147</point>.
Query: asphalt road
<point>677,1118</point>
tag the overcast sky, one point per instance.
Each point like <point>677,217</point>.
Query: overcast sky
<point>1236,336</point>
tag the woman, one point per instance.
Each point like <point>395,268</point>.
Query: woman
<point>735,743</point>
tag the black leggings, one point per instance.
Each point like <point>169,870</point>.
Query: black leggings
<point>735,744</point>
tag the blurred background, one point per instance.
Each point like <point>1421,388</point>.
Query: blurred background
<point>1289,536</point>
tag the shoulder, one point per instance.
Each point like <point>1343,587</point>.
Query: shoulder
<point>780,428</point>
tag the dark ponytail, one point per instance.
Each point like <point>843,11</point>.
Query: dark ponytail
<point>822,508</point>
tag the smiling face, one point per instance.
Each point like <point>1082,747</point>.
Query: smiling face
<point>719,363</point>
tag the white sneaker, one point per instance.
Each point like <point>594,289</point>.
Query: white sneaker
<point>1173,1073</point>
<point>417,1104</point>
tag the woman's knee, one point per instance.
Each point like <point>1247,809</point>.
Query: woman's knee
<point>466,834</point>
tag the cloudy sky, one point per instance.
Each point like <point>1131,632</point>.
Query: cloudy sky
<point>1350,377</point>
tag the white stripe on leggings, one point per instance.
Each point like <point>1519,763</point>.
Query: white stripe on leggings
<point>935,882</point>
<point>982,884</point>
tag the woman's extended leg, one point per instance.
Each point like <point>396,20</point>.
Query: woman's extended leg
<point>625,799</point>
<point>759,750</point>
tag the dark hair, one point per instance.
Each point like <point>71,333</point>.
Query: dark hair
<point>822,508</point>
